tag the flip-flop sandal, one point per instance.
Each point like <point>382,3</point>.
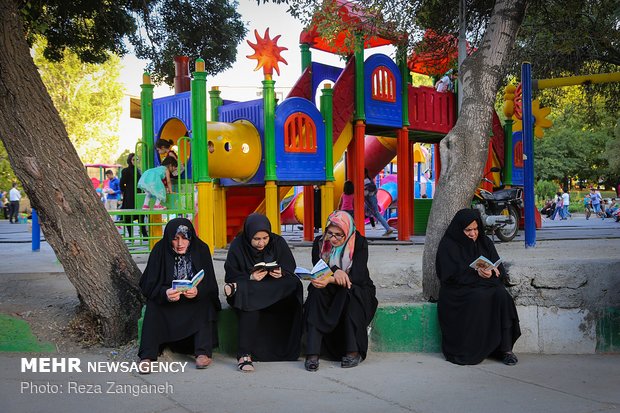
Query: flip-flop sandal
<point>247,362</point>
<point>233,289</point>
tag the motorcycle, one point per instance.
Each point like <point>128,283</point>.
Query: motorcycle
<point>500,210</point>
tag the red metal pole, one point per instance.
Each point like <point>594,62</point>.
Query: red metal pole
<point>357,174</point>
<point>308,213</point>
<point>402,163</point>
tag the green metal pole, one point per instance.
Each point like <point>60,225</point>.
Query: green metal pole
<point>359,77</point>
<point>306,56</point>
<point>200,160</point>
<point>216,102</point>
<point>405,76</point>
<point>327,112</point>
<point>146,110</point>
<point>270,129</point>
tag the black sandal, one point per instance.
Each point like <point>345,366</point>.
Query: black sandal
<point>510,359</point>
<point>312,363</point>
<point>233,289</point>
<point>246,362</point>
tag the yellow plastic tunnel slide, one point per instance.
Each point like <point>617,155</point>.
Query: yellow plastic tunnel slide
<point>234,148</point>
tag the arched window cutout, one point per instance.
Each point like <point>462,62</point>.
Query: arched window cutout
<point>300,134</point>
<point>383,85</point>
<point>518,155</point>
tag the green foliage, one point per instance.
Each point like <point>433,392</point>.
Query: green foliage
<point>88,98</point>
<point>7,176</point>
<point>612,152</point>
<point>545,189</point>
<point>158,29</point>
<point>576,147</point>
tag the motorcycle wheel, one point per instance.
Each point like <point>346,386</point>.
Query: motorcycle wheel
<point>507,232</point>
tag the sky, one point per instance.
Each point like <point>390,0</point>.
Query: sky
<point>240,82</point>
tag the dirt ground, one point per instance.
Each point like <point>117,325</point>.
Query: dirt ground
<point>48,301</point>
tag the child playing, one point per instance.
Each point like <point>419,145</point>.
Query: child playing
<point>164,149</point>
<point>151,183</point>
<point>587,205</point>
<point>346,199</point>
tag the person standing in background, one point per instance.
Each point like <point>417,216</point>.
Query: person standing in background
<point>14,197</point>
<point>565,203</point>
<point>113,191</point>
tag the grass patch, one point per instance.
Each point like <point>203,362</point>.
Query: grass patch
<point>16,336</point>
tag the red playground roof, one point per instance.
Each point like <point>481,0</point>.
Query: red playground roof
<point>353,17</point>
<point>102,165</point>
<point>437,54</point>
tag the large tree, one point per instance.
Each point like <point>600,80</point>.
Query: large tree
<point>492,27</point>
<point>73,220</point>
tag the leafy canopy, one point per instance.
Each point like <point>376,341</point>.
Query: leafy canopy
<point>88,98</point>
<point>158,29</point>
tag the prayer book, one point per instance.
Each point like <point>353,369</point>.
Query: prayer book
<point>320,270</point>
<point>266,266</point>
<point>484,263</point>
<point>184,285</point>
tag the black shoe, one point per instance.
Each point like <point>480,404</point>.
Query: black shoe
<point>510,359</point>
<point>311,364</point>
<point>350,361</point>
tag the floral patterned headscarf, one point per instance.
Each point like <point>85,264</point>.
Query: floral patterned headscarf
<point>341,256</point>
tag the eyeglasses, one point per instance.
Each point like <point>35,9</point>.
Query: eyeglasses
<point>332,234</point>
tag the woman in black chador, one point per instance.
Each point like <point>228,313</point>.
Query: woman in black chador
<point>339,309</point>
<point>268,302</point>
<point>477,316</point>
<point>187,321</point>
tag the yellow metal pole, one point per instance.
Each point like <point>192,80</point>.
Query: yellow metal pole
<point>575,80</point>
<point>327,201</point>
<point>272,206</point>
<point>220,216</point>
<point>206,231</point>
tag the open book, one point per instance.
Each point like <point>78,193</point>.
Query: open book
<point>266,266</point>
<point>184,285</point>
<point>320,270</point>
<point>484,263</point>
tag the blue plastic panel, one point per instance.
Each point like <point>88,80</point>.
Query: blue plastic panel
<point>378,112</point>
<point>321,73</point>
<point>177,106</point>
<point>299,167</point>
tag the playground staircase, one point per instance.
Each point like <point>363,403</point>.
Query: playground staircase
<point>241,202</point>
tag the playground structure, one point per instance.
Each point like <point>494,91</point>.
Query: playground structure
<point>250,154</point>
<point>257,150</point>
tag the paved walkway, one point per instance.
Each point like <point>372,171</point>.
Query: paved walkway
<point>385,382</point>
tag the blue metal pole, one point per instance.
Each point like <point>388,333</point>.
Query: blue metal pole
<point>36,231</point>
<point>528,155</point>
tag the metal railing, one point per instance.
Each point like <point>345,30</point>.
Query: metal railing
<point>180,203</point>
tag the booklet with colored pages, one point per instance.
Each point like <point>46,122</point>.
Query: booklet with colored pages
<point>484,263</point>
<point>184,285</point>
<point>266,266</point>
<point>320,270</point>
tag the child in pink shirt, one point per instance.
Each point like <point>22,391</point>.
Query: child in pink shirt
<point>346,199</point>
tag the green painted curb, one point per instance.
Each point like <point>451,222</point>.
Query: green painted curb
<point>608,331</point>
<point>16,336</point>
<point>406,328</point>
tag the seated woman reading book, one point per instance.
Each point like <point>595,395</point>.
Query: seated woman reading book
<point>339,307</point>
<point>266,298</point>
<point>187,320</point>
<point>477,316</point>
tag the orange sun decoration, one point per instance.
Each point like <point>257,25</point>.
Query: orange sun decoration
<point>267,53</point>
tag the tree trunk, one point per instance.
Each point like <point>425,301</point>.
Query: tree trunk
<point>464,150</point>
<point>73,219</point>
